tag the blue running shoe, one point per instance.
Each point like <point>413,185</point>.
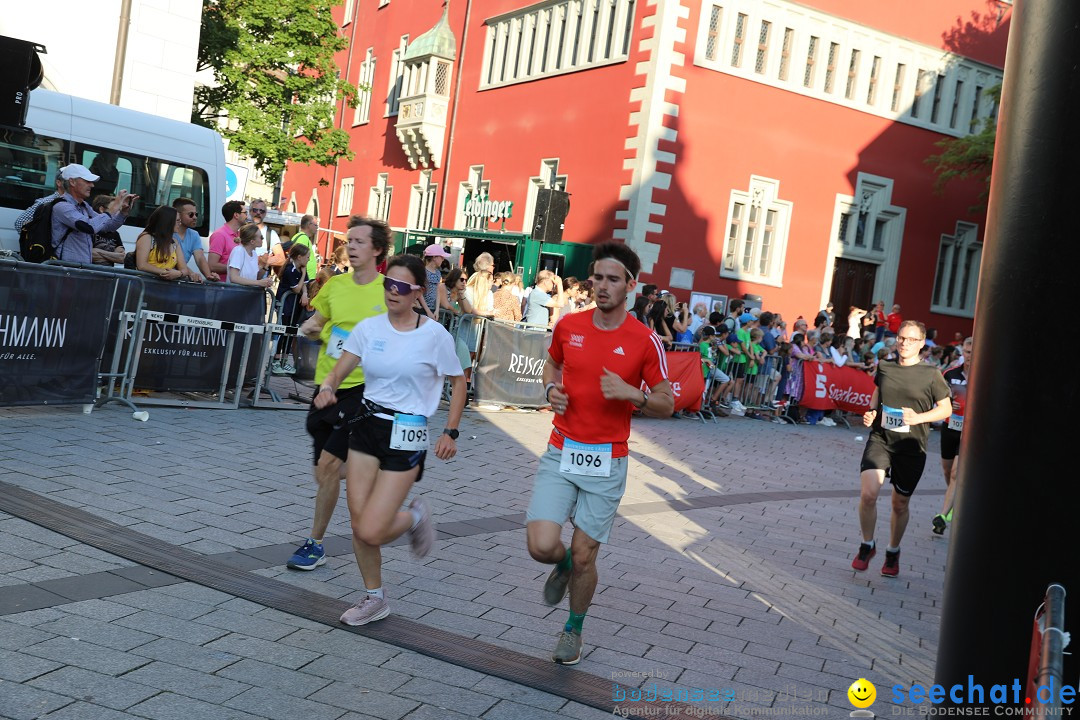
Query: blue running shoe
<point>309,556</point>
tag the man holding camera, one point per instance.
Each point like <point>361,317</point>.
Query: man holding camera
<point>74,222</point>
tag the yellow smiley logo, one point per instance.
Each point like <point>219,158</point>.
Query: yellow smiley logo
<point>862,693</point>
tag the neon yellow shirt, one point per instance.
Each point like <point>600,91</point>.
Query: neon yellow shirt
<point>343,304</point>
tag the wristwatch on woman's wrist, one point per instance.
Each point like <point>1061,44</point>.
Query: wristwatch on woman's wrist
<point>452,432</point>
<point>547,391</point>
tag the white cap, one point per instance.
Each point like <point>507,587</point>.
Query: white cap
<point>73,171</point>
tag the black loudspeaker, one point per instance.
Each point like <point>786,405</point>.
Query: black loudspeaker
<point>552,207</point>
<point>22,73</point>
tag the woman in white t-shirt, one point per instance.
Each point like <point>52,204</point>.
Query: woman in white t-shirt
<point>244,265</point>
<point>405,357</point>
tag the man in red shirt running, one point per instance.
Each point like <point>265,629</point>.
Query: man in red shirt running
<point>593,376</point>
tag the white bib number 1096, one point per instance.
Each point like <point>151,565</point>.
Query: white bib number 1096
<point>581,459</point>
<point>410,432</point>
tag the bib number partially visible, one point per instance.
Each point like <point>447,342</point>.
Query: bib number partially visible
<point>581,459</point>
<point>336,342</point>
<point>410,432</point>
<point>956,422</point>
<point>893,419</point>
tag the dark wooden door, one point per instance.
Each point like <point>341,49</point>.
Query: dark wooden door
<point>852,284</point>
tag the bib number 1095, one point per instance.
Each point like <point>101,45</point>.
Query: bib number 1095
<point>410,432</point>
<point>581,459</point>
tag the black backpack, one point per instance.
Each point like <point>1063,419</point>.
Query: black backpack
<point>35,238</point>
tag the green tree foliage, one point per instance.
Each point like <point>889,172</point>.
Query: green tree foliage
<point>275,80</point>
<point>971,156</point>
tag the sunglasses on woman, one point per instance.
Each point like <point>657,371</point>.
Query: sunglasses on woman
<point>398,287</point>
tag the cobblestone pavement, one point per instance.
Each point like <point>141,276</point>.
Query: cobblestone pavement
<point>728,568</point>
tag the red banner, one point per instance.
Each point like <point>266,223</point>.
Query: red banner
<point>687,382</point>
<point>827,387</point>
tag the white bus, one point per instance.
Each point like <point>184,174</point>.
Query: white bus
<point>157,159</point>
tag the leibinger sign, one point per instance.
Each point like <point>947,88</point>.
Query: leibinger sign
<point>477,206</point>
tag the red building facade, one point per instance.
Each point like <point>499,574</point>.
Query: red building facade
<point>740,147</point>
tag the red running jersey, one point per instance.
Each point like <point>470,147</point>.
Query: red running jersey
<point>631,351</point>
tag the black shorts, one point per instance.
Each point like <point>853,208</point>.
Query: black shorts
<point>329,427</point>
<point>903,469</point>
<point>371,435</point>
<point>950,443</point>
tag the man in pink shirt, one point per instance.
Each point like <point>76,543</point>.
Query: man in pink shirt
<point>223,240</point>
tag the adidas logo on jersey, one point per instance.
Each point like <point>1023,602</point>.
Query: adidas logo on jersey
<point>619,351</point>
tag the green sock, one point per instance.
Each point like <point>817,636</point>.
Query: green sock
<point>575,621</point>
<point>566,563</point>
<point>948,515</point>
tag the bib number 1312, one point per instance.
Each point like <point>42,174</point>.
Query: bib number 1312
<point>581,459</point>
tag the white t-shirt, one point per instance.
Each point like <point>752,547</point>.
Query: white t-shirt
<point>404,370</point>
<point>248,265</point>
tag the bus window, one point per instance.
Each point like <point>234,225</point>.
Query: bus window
<point>156,182</point>
<point>28,167</point>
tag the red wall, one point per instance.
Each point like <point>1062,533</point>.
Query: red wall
<point>728,129</point>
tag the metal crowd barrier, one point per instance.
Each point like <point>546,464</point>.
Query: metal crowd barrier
<point>148,317</point>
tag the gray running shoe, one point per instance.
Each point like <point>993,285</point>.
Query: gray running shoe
<point>423,535</point>
<point>369,609</point>
<point>555,586</point>
<point>568,649</point>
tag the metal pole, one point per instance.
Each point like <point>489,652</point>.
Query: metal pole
<point>121,52</point>
<point>1051,657</point>
<point>1016,529</point>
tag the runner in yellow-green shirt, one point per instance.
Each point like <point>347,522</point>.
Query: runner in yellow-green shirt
<point>342,302</point>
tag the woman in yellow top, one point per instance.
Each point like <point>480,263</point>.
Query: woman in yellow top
<point>156,250</point>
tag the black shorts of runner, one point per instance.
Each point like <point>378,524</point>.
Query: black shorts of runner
<point>329,427</point>
<point>903,469</point>
<point>950,443</point>
<point>371,435</point>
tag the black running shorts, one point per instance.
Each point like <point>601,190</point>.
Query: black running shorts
<point>329,427</point>
<point>371,436</point>
<point>950,443</point>
<point>904,469</point>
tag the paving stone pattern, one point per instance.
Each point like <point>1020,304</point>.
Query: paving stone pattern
<point>757,596</point>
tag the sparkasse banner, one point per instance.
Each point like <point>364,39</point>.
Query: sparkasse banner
<point>827,387</point>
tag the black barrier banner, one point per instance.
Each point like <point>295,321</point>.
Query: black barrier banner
<point>52,331</point>
<point>510,367</point>
<point>190,358</point>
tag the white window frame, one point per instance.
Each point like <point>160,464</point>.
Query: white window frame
<point>348,13</point>
<point>380,197</point>
<point>396,88</point>
<point>345,197</point>
<point>957,269</point>
<point>716,43</point>
<point>362,111</point>
<point>555,37</point>
<point>873,196</point>
<point>763,194</point>
<point>475,184</point>
<point>422,203</point>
